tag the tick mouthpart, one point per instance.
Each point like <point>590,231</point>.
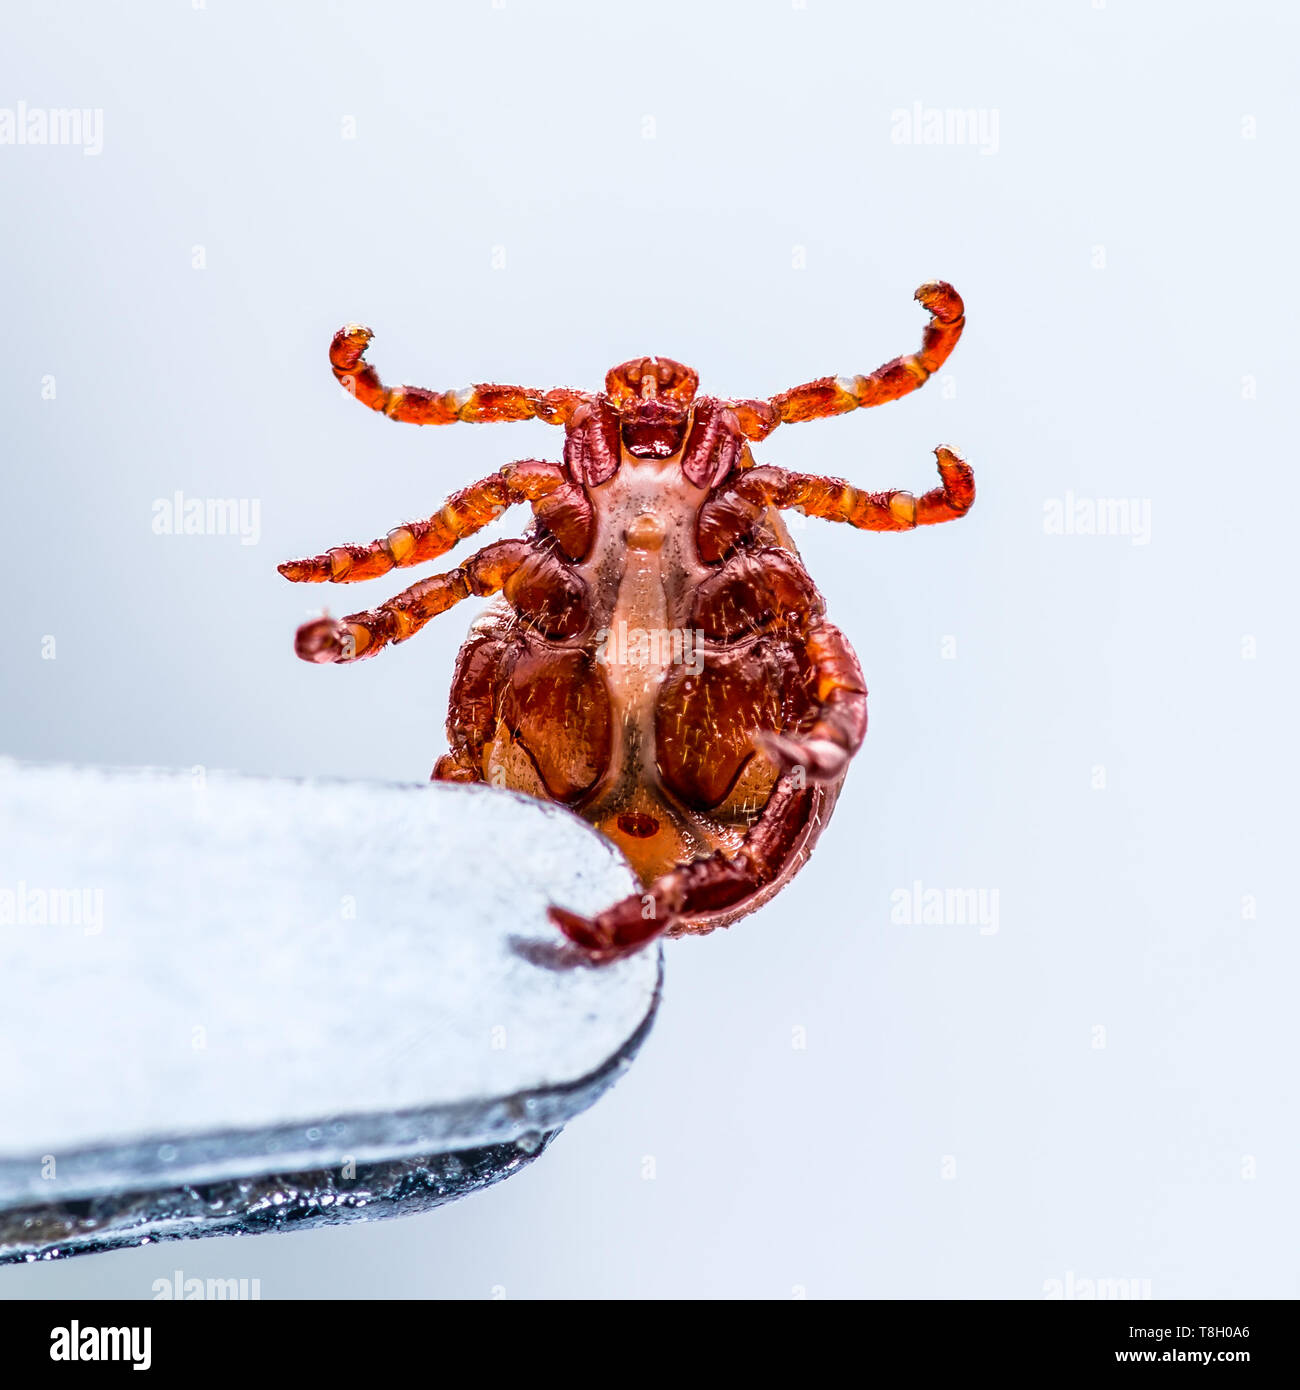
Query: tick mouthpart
<point>655,428</point>
<point>653,441</point>
<point>651,378</point>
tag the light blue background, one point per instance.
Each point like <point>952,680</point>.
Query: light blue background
<point>776,1169</point>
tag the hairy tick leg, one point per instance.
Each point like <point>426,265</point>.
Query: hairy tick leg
<point>834,395</point>
<point>363,634</point>
<point>707,886</point>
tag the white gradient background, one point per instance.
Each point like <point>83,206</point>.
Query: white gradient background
<point>520,127</point>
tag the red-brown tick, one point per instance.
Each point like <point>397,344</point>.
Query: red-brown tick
<point>658,659</point>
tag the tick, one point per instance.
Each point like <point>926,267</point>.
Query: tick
<point>656,657</point>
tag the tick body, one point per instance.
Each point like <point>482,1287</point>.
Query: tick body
<point>656,656</point>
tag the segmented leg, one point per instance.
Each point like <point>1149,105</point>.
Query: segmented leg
<point>736,511</point>
<point>834,395</point>
<point>822,753</point>
<point>706,886</point>
<point>416,406</point>
<point>364,634</point>
<point>464,513</point>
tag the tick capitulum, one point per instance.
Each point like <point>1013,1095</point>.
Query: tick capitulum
<point>656,657</point>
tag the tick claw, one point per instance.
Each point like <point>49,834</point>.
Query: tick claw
<point>349,344</point>
<point>939,297</point>
<point>820,759</point>
<point>617,932</point>
<point>321,640</point>
<point>582,931</point>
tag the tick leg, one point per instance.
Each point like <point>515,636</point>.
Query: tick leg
<point>464,513</point>
<point>416,406</point>
<point>364,634</point>
<point>834,395</point>
<point>708,886</point>
<point>832,499</point>
<point>822,753</point>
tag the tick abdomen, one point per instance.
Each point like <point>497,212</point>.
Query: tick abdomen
<point>641,573</point>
